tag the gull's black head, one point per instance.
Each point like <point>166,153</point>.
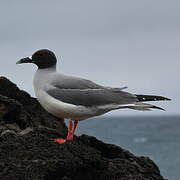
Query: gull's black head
<point>43,58</point>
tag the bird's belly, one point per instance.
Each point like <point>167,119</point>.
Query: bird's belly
<point>63,110</point>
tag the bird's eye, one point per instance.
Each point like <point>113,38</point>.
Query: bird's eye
<point>40,54</point>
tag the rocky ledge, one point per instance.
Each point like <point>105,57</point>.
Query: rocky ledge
<point>28,152</point>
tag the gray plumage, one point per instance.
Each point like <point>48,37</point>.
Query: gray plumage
<point>91,97</point>
<point>77,98</point>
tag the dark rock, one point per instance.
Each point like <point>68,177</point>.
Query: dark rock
<point>28,152</point>
<point>20,110</point>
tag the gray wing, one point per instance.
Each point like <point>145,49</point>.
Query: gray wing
<point>87,93</point>
<point>69,82</point>
<point>91,97</point>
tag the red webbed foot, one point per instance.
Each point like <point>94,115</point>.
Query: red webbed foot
<point>70,135</point>
<point>60,140</point>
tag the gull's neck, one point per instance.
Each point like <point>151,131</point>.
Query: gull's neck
<point>42,76</point>
<point>50,69</point>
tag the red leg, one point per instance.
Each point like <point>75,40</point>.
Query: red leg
<point>75,126</point>
<point>71,135</point>
<point>71,132</point>
<point>60,140</point>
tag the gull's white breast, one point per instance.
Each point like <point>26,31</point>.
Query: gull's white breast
<point>62,109</point>
<point>54,106</point>
<point>44,77</point>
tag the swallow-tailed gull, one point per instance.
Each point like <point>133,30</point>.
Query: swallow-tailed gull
<point>76,98</point>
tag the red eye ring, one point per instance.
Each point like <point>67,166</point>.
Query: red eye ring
<point>40,54</point>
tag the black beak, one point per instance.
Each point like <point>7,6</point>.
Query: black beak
<point>24,60</point>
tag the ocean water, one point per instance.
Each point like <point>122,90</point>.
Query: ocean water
<point>155,137</point>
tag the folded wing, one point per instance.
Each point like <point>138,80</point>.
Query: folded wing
<point>87,93</point>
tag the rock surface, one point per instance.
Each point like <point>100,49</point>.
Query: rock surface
<point>28,152</point>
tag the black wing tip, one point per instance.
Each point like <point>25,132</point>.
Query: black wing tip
<point>163,98</point>
<point>156,107</point>
<point>151,98</point>
<point>167,99</point>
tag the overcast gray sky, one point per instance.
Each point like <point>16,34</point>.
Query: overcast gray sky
<point>112,42</point>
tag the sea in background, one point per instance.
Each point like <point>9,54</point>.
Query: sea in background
<point>154,136</point>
